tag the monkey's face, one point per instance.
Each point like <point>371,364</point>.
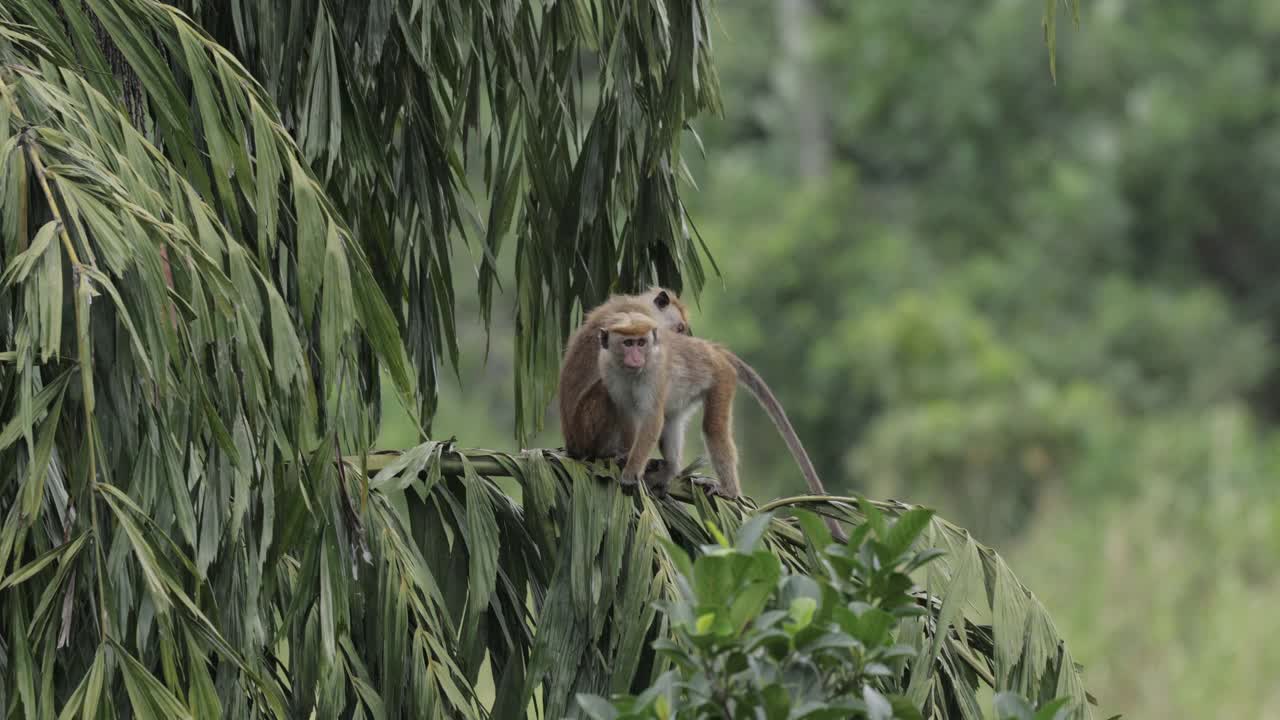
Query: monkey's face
<point>670,311</point>
<point>635,352</point>
<point>629,352</point>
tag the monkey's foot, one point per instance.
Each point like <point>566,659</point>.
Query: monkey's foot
<point>657,486</point>
<point>629,481</point>
<point>655,465</point>
<point>652,466</point>
<point>657,478</point>
<point>710,486</point>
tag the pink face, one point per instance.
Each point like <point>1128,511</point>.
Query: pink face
<point>634,352</point>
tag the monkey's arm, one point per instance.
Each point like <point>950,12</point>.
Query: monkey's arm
<point>646,439</point>
<point>590,424</point>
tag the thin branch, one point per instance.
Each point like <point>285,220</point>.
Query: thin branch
<point>808,500</point>
<point>33,157</point>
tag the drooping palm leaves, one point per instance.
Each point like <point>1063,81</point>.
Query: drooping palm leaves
<point>589,558</point>
<point>167,421</point>
<point>172,509</point>
<point>567,115</point>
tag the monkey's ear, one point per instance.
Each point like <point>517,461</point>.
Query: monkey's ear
<point>604,339</point>
<point>655,336</point>
<point>662,300</point>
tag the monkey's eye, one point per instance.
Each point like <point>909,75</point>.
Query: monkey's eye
<point>640,343</point>
<point>628,343</point>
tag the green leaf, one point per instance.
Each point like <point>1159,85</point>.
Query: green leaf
<point>312,226</point>
<point>154,575</point>
<point>21,265</point>
<point>1053,710</point>
<point>875,519</point>
<point>147,695</point>
<point>748,536</point>
<point>817,532</point>
<point>597,707</point>
<point>903,709</point>
<point>94,684</point>
<point>801,611</point>
<point>483,545</point>
<point>906,529</point>
<point>33,492</point>
<point>63,554</point>
<point>50,393</point>
<point>1011,706</point>
<point>328,618</point>
<point>878,706</point>
<point>873,627</point>
<point>750,601</point>
<point>22,662</point>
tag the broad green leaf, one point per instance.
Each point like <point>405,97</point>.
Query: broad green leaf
<point>751,531</point>
<point>906,528</point>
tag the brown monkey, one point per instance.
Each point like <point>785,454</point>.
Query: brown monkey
<point>657,378</point>
<point>590,422</point>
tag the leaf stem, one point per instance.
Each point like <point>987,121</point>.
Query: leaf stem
<point>81,306</point>
<point>33,156</point>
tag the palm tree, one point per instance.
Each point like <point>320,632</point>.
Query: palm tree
<point>223,225</point>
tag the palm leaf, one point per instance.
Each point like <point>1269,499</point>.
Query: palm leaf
<point>594,583</point>
<point>196,386</point>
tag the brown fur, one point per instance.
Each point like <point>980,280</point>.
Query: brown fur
<point>589,420</point>
<point>681,373</point>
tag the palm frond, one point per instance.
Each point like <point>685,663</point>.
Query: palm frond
<point>170,419</point>
<point>593,562</point>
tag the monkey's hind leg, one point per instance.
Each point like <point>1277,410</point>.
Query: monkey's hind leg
<point>717,431</point>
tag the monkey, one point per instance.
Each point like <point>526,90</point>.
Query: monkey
<point>591,424</point>
<point>657,379</point>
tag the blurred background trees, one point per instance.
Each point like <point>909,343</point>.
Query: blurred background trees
<point>1046,310</point>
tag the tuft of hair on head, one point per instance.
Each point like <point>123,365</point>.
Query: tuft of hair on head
<point>631,324</point>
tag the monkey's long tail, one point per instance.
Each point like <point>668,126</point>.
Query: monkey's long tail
<point>756,385</point>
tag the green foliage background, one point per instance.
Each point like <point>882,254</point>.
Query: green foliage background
<point>1046,310</point>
